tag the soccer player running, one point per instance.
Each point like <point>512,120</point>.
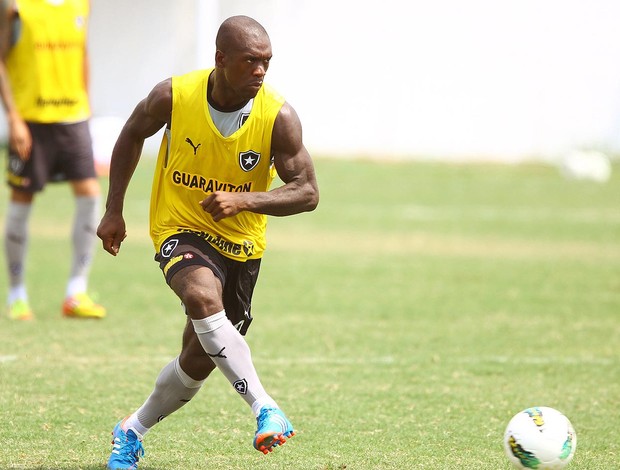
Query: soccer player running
<point>226,135</point>
<point>47,108</point>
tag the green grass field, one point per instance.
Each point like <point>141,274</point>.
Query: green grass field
<point>400,326</point>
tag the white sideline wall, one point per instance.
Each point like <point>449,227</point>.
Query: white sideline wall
<point>505,80</point>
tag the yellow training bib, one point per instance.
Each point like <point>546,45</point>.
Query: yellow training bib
<point>195,160</point>
<point>46,66</point>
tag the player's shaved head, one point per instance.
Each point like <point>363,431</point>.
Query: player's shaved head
<point>235,31</point>
<point>243,52</point>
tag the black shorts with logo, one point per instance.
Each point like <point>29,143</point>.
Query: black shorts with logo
<point>60,152</point>
<point>238,278</point>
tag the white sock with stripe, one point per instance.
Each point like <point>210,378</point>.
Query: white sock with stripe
<point>173,389</point>
<point>16,247</point>
<point>231,354</point>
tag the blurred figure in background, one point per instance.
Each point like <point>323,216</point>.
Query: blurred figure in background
<point>44,90</point>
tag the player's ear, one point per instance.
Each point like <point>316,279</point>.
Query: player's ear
<point>219,58</point>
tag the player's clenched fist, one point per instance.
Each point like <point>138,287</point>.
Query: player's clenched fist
<point>222,204</point>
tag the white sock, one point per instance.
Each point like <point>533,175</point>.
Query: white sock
<point>84,236</point>
<point>17,293</point>
<point>231,354</point>
<point>173,389</point>
<point>76,285</point>
<point>16,247</point>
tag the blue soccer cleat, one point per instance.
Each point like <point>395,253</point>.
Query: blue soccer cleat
<point>273,429</point>
<point>126,449</point>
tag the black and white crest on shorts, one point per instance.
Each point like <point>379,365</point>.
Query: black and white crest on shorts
<point>16,164</point>
<point>248,160</point>
<point>168,247</point>
<point>241,386</point>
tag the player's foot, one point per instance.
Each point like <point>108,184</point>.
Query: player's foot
<point>126,448</point>
<point>20,310</point>
<point>273,429</point>
<point>82,306</point>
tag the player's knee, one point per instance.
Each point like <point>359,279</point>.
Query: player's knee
<point>199,290</point>
<point>200,301</point>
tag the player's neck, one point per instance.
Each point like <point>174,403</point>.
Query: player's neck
<point>222,99</point>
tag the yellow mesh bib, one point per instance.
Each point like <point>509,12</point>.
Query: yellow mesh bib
<point>46,65</point>
<point>195,160</point>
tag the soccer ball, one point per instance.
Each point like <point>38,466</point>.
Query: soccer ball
<point>540,438</point>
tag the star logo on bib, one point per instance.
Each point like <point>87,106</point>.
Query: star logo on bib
<point>248,160</point>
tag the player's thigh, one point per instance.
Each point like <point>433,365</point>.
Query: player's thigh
<point>199,289</point>
<point>75,161</point>
<point>195,271</point>
<point>32,175</point>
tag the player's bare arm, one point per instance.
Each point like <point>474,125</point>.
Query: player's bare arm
<point>300,191</point>
<point>150,115</point>
<point>20,139</point>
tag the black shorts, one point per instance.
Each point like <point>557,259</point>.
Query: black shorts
<point>60,152</point>
<point>238,278</point>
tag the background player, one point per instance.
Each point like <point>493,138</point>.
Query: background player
<point>47,108</point>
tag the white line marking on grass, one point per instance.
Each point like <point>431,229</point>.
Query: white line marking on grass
<point>4,359</point>
<point>539,360</point>
<point>322,360</point>
<point>522,213</point>
<point>391,360</point>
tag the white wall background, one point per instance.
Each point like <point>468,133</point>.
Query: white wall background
<point>460,79</point>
